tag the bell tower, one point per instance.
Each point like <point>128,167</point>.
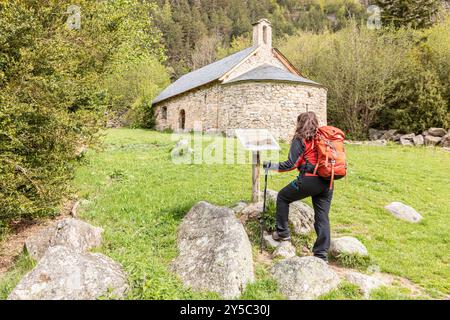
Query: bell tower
<point>262,34</point>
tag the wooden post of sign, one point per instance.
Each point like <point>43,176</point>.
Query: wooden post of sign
<point>256,161</point>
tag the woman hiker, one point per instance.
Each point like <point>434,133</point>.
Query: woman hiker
<point>303,156</point>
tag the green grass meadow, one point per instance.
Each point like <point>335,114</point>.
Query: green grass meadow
<point>135,192</point>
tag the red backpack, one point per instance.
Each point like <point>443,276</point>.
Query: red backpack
<point>331,159</point>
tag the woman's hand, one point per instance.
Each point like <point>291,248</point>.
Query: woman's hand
<point>267,164</point>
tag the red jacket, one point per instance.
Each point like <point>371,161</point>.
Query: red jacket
<point>300,153</point>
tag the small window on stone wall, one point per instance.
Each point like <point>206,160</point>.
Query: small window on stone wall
<point>164,113</point>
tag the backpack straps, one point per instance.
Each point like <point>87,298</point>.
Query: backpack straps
<point>332,174</point>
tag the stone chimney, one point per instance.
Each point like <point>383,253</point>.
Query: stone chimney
<point>262,34</point>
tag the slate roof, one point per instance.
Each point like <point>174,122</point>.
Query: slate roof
<point>203,75</point>
<point>270,72</point>
<point>215,70</point>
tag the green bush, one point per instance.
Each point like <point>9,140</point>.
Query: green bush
<point>50,104</point>
<point>416,103</point>
<point>52,91</point>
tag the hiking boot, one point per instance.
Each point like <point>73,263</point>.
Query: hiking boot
<point>277,237</point>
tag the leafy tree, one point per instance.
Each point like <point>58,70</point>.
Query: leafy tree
<point>412,13</point>
<point>205,51</point>
<point>356,65</point>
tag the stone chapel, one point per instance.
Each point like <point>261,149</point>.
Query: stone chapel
<point>254,88</point>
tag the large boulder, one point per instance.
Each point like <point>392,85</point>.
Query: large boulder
<point>403,212</point>
<point>437,132</point>
<point>215,252</point>
<point>408,136</point>
<point>347,246</point>
<point>406,142</point>
<point>304,278</point>
<point>407,139</point>
<point>396,137</point>
<point>445,142</point>
<point>300,214</point>
<point>418,140</point>
<point>64,274</point>
<point>432,140</point>
<point>389,135</point>
<point>375,134</point>
<point>365,282</point>
<point>72,233</point>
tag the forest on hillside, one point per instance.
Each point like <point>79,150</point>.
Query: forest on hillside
<point>67,70</point>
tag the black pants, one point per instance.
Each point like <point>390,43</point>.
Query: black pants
<point>318,189</point>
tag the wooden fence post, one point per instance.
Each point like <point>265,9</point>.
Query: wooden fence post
<point>256,161</point>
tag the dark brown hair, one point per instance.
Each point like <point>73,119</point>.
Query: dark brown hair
<point>307,125</point>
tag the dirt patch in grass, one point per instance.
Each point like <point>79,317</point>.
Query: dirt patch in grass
<point>265,258</point>
<point>12,246</point>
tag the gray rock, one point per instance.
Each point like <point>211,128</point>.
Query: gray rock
<point>389,135</point>
<point>302,278</point>
<point>284,250</point>
<point>64,274</point>
<point>408,136</point>
<point>445,142</point>
<point>407,139</point>
<point>375,134</point>
<point>253,209</point>
<point>437,132</point>
<point>425,132</point>
<point>268,240</point>
<point>300,214</point>
<point>418,140</point>
<point>347,245</point>
<point>379,142</point>
<point>431,140</point>
<point>239,207</point>
<point>72,233</point>
<point>396,137</point>
<point>365,282</point>
<point>404,212</point>
<point>406,142</point>
<point>215,252</point>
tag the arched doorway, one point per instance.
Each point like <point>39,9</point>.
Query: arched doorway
<point>182,119</point>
